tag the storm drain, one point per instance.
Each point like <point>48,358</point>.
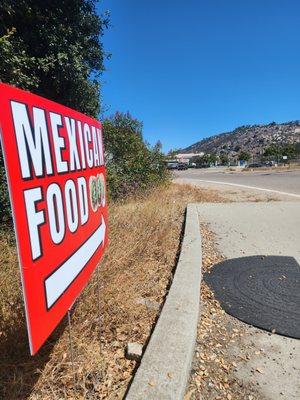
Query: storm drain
<point>263,291</point>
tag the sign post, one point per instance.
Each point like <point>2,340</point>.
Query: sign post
<point>56,176</point>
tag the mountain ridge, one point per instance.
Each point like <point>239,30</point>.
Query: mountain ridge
<point>251,138</point>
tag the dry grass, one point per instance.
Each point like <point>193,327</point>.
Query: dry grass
<point>144,241</point>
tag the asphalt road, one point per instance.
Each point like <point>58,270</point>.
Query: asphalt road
<point>278,181</point>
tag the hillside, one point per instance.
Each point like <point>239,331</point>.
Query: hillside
<point>251,138</point>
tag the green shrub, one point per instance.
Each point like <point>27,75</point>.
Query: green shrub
<point>132,165</point>
<point>5,213</point>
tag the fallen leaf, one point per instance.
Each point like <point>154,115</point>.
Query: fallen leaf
<point>189,394</point>
<point>259,370</point>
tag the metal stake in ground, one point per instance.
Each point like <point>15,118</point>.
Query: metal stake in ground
<point>71,351</point>
<point>99,305</point>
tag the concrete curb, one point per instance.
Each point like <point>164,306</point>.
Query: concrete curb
<point>165,366</point>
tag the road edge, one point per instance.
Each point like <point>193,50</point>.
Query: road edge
<point>165,366</point>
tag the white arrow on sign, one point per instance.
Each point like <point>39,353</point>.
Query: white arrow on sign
<point>58,282</point>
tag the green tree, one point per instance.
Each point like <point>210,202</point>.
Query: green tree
<point>224,159</point>
<point>212,158</point>
<point>131,163</point>
<point>273,151</point>
<point>289,150</point>
<point>197,160</point>
<point>52,48</point>
<point>244,156</point>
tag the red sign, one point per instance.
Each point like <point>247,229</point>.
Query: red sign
<point>56,175</point>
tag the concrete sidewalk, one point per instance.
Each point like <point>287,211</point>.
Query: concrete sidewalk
<point>245,229</point>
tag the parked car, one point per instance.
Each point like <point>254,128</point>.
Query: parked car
<point>255,165</point>
<point>269,163</point>
<point>182,166</point>
<point>172,165</point>
<point>203,165</point>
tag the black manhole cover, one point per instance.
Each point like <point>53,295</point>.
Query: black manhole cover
<point>263,291</point>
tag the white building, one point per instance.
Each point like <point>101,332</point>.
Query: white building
<point>185,157</point>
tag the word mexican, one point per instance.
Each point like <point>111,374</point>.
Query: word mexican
<point>35,144</point>
<point>46,152</point>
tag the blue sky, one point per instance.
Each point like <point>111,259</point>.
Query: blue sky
<point>190,69</point>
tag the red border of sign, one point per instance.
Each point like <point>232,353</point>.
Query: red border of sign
<point>35,274</point>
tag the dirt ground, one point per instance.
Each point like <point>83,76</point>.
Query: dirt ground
<point>230,194</point>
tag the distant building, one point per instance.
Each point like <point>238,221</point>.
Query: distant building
<point>185,157</point>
